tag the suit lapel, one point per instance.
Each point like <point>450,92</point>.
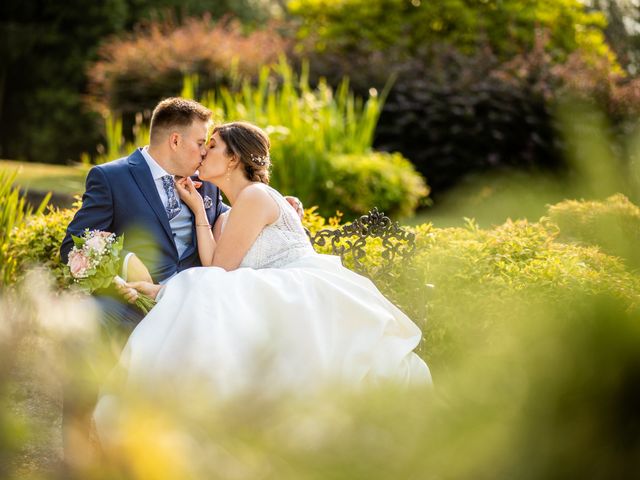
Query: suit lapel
<point>142,176</point>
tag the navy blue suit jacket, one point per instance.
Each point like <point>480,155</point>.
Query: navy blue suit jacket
<point>121,197</point>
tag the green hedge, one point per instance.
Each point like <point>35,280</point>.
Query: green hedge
<point>477,275</point>
<point>484,279</point>
<point>613,224</point>
<point>357,182</point>
<point>14,212</point>
<point>533,343</point>
<point>507,26</point>
<point>36,243</point>
<point>321,142</point>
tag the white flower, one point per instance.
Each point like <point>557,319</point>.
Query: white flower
<point>97,244</point>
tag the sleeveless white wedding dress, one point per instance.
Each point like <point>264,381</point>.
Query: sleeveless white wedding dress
<point>287,320</point>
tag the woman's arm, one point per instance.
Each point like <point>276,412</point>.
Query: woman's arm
<point>219,225</point>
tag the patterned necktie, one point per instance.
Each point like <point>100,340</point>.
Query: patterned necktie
<point>173,206</point>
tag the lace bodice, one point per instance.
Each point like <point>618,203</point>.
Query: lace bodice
<point>281,242</point>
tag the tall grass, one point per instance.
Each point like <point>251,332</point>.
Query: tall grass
<point>13,211</point>
<point>306,125</point>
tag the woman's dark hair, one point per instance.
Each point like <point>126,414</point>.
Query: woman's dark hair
<point>250,144</point>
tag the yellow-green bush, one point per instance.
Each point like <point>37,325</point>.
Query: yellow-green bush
<point>508,26</point>
<point>522,268</point>
<point>358,182</point>
<point>534,345</point>
<point>550,391</point>
<point>613,224</point>
<point>523,265</point>
<point>487,270</point>
<point>36,243</point>
<point>13,212</point>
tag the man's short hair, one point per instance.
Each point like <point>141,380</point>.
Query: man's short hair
<point>176,112</point>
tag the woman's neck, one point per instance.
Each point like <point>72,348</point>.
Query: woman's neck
<point>233,188</point>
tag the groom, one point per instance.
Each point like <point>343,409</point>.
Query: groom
<point>136,196</point>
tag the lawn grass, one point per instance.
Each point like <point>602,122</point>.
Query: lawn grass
<point>42,177</point>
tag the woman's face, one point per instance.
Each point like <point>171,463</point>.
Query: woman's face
<point>215,165</point>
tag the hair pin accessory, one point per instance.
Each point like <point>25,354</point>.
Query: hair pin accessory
<point>262,161</point>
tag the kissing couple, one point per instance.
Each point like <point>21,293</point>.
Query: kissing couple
<point>231,282</point>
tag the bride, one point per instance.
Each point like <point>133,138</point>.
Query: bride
<point>265,307</point>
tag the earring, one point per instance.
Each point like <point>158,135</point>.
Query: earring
<point>228,173</point>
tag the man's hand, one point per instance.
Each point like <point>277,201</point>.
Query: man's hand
<point>130,290</point>
<point>137,271</point>
<point>296,204</point>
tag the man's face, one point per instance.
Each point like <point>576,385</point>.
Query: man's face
<point>192,148</point>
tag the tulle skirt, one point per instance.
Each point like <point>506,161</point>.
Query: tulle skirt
<point>294,328</point>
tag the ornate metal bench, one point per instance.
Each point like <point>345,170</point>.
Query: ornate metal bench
<point>349,241</point>
<point>393,247</point>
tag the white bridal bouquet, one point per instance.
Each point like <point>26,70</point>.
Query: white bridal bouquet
<point>94,262</point>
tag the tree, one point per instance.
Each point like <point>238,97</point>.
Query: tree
<point>44,53</point>
<point>623,29</point>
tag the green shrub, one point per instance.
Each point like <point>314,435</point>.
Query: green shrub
<point>36,243</point>
<point>358,182</point>
<point>453,115</point>
<point>613,224</point>
<point>310,129</point>
<point>484,279</point>
<point>521,268</point>
<point>13,212</point>
<point>484,270</point>
<point>508,26</point>
<point>477,83</point>
<point>551,390</point>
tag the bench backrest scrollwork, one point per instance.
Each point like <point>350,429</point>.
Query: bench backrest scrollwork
<point>349,241</point>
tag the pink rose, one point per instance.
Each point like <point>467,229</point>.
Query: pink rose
<point>78,263</point>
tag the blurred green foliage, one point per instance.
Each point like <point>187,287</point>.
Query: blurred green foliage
<point>310,129</point>
<point>613,225</point>
<point>36,243</point>
<point>534,344</point>
<point>320,141</point>
<point>136,71</point>
<point>355,183</point>
<point>518,267</point>
<point>480,94</point>
<point>46,177</point>
<point>453,115</point>
<point>14,211</point>
<point>506,26</point>
<point>44,55</point>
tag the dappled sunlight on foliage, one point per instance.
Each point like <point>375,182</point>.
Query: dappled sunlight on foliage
<point>613,225</point>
